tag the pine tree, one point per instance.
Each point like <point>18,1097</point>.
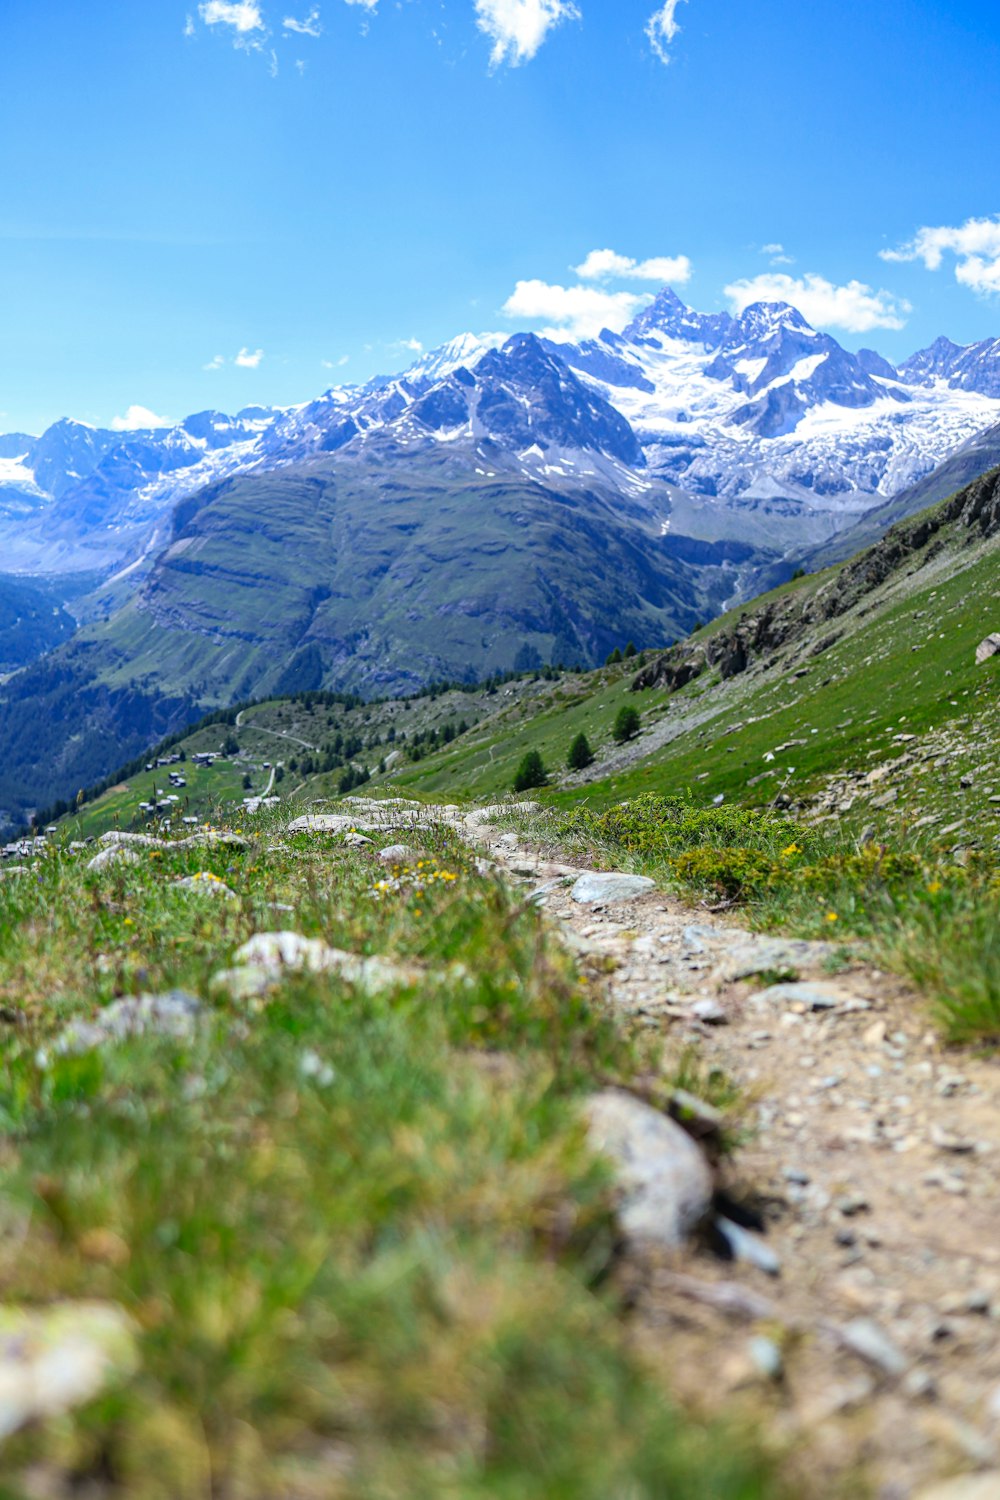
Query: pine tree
<point>530,773</point>
<point>580,754</point>
<point>627,724</point>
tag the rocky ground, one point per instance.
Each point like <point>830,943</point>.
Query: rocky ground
<point>860,1317</point>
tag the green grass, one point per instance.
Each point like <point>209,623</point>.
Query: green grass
<point>364,1248</point>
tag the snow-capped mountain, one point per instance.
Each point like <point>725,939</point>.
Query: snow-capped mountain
<point>969,367</point>
<point>759,413</point>
<point>765,409</point>
<point>81,497</point>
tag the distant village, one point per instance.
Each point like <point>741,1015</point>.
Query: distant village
<point>164,804</point>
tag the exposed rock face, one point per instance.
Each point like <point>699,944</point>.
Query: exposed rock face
<point>975,511</point>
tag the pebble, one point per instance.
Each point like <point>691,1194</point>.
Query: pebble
<point>865,1338</point>
<point>710,1012</point>
<point>748,1247</point>
<point>766,1357</point>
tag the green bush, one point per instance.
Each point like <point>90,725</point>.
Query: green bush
<point>736,874</point>
<point>530,773</point>
<point>627,724</point>
<point>580,754</point>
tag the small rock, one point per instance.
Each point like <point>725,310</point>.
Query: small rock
<point>354,840</point>
<point>987,648</point>
<point>205,884</point>
<point>595,888</point>
<point>171,1014</point>
<point>945,1140</point>
<point>865,1338</point>
<point>766,1357</point>
<point>748,1247</point>
<point>812,996</point>
<point>56,1358</point>
<point>115,855</point>
<point>920,1385</point>
<point>396,854</point>
<point>275,952</point>
<point>665,1180</point>
<point>710,1012</point>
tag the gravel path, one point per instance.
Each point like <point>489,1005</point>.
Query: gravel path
<point>873,1162</point>
<point>864,1333</point>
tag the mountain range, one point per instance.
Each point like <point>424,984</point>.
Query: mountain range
<point>497,506</point>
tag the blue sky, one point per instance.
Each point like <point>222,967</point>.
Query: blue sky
<point>203,206</point>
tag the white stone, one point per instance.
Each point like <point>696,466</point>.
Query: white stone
<point>665,1179</point>
<point>596,888</point>
<point>56,1358</point>
<point>114,855</point>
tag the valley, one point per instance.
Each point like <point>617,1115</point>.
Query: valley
<point>498,506</point>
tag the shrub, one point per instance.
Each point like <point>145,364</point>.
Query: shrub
<point>614,658</point>
<point>630,651</point>
<point>736,874</point>
<point>580,754</point>
<point>627,724</point>
<point>530,773</point>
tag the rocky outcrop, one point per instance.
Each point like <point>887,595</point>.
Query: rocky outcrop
<point>970,516</point>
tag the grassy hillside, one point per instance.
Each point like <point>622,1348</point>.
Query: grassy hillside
<point>335,1240</point>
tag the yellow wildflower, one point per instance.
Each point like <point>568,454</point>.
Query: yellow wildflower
<point>792,849</point>
<point>831,916</point>
<point>934,887</point>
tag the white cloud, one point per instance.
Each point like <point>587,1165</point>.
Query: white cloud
<point>336,364</point>
<point>661,29</point>
<point>974,244</point>
<point>139,419</point>
<point>189,26</point>
<point>246,360</point>
<point>216,363</point>
<point>857,308</point>
<point>517,28</point>
<point>575,312</point>
<point>309,27</point>
<point>368,4</point>
<point>600,265</point>
<point>244,16</point>
<point>777,255</point>
<point>412,346</point>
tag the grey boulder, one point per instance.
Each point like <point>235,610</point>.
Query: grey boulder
<point>596,889</point>
<point>665,1180</point>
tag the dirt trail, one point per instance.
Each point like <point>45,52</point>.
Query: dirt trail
<point>874,1162</point>
<point>872,1159</point>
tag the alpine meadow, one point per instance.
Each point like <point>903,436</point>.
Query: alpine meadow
<point>499,751</point>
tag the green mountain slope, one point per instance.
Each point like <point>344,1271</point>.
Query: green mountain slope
<point>377,574</point>
<point>867,667</point>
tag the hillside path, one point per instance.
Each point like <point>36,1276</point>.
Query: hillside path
<point>873,1159</point>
